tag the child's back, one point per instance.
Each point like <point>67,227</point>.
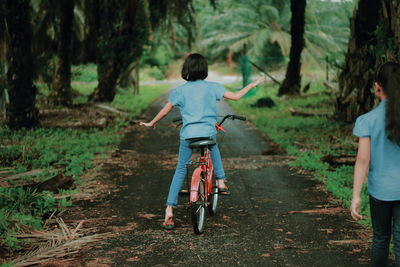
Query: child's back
<point>197,103</point>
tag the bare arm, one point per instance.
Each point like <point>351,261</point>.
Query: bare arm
<point>239,94</point>
<point>163,112</point>
<point>360,172</point>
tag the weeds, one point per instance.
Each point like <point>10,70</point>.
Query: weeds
<point>308,138</point>
<point>136,104</point>
<point>51,151</point>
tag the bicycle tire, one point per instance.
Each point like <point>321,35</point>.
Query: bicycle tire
<point>212,208</point>
<point>198,211</point>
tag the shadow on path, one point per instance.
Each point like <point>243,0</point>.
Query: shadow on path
<point>273,218</point>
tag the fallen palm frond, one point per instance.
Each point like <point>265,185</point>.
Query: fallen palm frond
<point>60,242</point>
<point>346,242</point>
<point>332,210</point>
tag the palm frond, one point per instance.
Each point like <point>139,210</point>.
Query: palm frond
<point>283,40</point>
<point>238,46</point>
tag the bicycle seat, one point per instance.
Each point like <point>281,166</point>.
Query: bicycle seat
<point>201,142</point>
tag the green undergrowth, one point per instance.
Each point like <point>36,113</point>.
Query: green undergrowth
<point>51,152</point>
<point>136,104</point>
<point>308,138</point>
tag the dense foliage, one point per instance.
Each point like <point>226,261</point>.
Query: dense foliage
<point>264,28</point>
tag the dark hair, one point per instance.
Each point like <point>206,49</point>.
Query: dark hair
<point>388,76</point>
<point>194,68</point>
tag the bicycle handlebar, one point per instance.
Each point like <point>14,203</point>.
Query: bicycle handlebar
<point>230,116</point>
<point>236,117</point>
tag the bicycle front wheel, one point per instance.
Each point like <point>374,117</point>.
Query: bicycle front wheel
<point>212,208</point>
<point>198,211</point>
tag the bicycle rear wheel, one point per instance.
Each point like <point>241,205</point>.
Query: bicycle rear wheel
<point>198,211</point>
<point>212,208</point>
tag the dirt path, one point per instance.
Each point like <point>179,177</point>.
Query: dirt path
<point>273,218</point>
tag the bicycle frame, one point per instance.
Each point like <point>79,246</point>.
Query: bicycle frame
<point>202,182</point>
<point>204,174</point>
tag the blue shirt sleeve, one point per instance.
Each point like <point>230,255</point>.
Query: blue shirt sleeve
<point>175,98</point>
<point>361,128</point>
<point>219,91</point>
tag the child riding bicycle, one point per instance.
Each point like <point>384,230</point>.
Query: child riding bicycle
<point>196,100</point>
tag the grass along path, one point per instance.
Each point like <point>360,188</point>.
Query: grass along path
<point>37,155</point>
<point>309,139</point>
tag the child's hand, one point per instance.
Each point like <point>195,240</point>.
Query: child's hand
<point>147,124</point>
<point>355,207</point>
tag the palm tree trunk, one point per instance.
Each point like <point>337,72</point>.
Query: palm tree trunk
<point>390,19</point>
<point>92,24</point>
<point>115,57</point>
<point>108,73</point>
<point>62,92</point>
<point>106,88</point>
<point>21,111</point>
<point>355,81</point>
<point>292,82</point>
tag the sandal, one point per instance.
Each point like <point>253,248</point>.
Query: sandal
<point>168,224</point>
<point>224,191</point>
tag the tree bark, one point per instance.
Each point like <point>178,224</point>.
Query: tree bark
<point>106,88</point>
<point>390,19</point>
<point>91,31</point>
<point>108,72</point>
<point>355,81</point>
<point>126,47</point>
<point>21,111</point>
<point>292,83</point>
<point>61,87</point>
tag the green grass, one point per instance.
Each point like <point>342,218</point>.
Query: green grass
<point>84,88</point>
<point>136,104</point>
<point>84,73</point>
<point>308,138</point>
<point>67,151</point>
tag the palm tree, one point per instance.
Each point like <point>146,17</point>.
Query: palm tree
<point>253,23</point>
<point>127,26</point>
<point>292,82</point>
<point>264,26</point>
<point>21,111</point>
<point>61,88</point>
<point>57,29</point>
<point>91,11</point>
<point>123,32</point>
<point>375,32</point>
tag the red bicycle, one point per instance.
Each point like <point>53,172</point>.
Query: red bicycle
<point>202,188</point>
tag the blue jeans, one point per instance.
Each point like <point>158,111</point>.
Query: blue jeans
<point>385,217</point>
<point>185,154</point>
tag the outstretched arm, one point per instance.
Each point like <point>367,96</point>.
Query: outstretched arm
<point>163,112</point>
<point>360,172</point>
<point>239,94</point>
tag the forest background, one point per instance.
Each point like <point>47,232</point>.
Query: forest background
<point>74,74</point>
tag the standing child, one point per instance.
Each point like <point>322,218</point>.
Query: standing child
<point>379,149</point>
<point>196,100</point>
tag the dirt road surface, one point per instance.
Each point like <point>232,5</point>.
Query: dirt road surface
<point>274,217</point>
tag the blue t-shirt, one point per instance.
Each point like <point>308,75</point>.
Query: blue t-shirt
<point>384,172</point>
<point>197,103</point>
